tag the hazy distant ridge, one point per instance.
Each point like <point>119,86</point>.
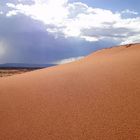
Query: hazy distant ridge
<point>24,65</point>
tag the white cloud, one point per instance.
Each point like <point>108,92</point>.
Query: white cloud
<point>89,38</point>
<point>47,11</point>
<point>127,11</point>
<point>131,39</point>
<point>79,20</point>
<point>1,12</point>
<point>68,60</point>
<point>12,13</point>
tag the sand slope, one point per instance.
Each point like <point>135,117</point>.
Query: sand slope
<point>96,98</point>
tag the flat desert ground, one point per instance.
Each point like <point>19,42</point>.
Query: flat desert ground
<point>95,98</point>
<point>4,72</point>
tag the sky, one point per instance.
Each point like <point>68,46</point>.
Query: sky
<point>60,31</point>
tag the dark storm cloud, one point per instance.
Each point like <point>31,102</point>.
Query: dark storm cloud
<point>108,32</point>
<point>28,41</point>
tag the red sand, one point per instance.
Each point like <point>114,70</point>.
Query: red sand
<point>96,98</point>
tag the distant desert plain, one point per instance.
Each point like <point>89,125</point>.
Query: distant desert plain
<point>4,72</point>
<point>95,98</point>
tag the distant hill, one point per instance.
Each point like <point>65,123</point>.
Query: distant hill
<point>24,65</point>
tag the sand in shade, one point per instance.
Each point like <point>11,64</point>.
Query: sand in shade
<point>95,98</point>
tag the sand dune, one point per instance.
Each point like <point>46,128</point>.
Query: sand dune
<point>96,98</point>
